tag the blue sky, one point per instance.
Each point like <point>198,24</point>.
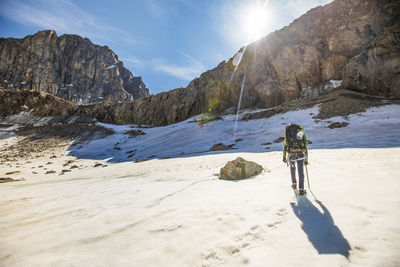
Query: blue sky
<point>167,42</point>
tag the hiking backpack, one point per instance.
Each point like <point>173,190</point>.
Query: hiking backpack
<point>295,138</point>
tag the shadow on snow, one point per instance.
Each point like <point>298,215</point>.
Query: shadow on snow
<point>320,227</point>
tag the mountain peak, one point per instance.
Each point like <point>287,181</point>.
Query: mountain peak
<point>69,66</point>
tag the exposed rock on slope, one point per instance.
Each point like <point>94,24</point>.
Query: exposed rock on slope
<point>38,103</point>
<point>69,66</point>
<point>338,103</point>
<point>377,69</point>
<point>161,109</point>
<point>38,108</point>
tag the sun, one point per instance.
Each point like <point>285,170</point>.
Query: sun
<point>255,22</point>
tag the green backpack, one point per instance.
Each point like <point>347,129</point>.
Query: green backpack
<point>295,138</point>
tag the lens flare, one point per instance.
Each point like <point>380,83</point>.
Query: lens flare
<point>255,24</point>
<point>237,58</point>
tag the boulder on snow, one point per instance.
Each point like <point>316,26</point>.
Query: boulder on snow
<point>6,180</point>
<point>338,125</point>
<point>221,147</point>
<point>239,169</point>
<point>134,133</point>
<point>266,144</point>
<point>279,140</point>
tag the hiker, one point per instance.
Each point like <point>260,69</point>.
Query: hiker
<point>295,150</point>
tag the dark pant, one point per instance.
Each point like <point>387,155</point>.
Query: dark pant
<point>300,169</point>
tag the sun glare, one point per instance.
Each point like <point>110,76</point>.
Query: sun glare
<point>255,22</point>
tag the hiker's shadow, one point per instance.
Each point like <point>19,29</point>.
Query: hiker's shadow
<point>320,228</point>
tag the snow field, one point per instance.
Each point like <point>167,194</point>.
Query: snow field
<point>176,212</point>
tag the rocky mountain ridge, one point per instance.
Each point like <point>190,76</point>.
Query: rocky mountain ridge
<point>354,42</point>
<point>41,108</point>
<point>69,66</point>
<point>35,108</point>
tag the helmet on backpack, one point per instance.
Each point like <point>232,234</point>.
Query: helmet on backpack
<point>300,135</point>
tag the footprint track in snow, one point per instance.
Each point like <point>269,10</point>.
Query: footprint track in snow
<point>281,212</point>
<point>231,249</point>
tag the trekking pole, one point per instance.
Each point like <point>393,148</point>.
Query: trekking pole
<point>308,182</point>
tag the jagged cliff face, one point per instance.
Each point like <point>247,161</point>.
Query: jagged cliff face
<point>356,41</point>
<point>69,66</point>
<point>377,69</point>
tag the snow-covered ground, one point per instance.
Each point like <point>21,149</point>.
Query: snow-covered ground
<point>378,127</point>
<point>176,212</point>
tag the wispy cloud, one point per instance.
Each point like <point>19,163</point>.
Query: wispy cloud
<point>62,16</point>
<point>156,8</point>
<point>185,72</point>
<point>190,69</point>
<point>134,61</point>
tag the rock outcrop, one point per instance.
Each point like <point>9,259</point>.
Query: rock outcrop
<point>156,110</point>
<point>376,70</point>
<point>39,104</point>
<point>69,66</point>
<point>36,108</point>
<point>239,169</point>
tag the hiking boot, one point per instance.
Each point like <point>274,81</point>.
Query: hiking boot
<point>294,185</point>
<point>302,192</point>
